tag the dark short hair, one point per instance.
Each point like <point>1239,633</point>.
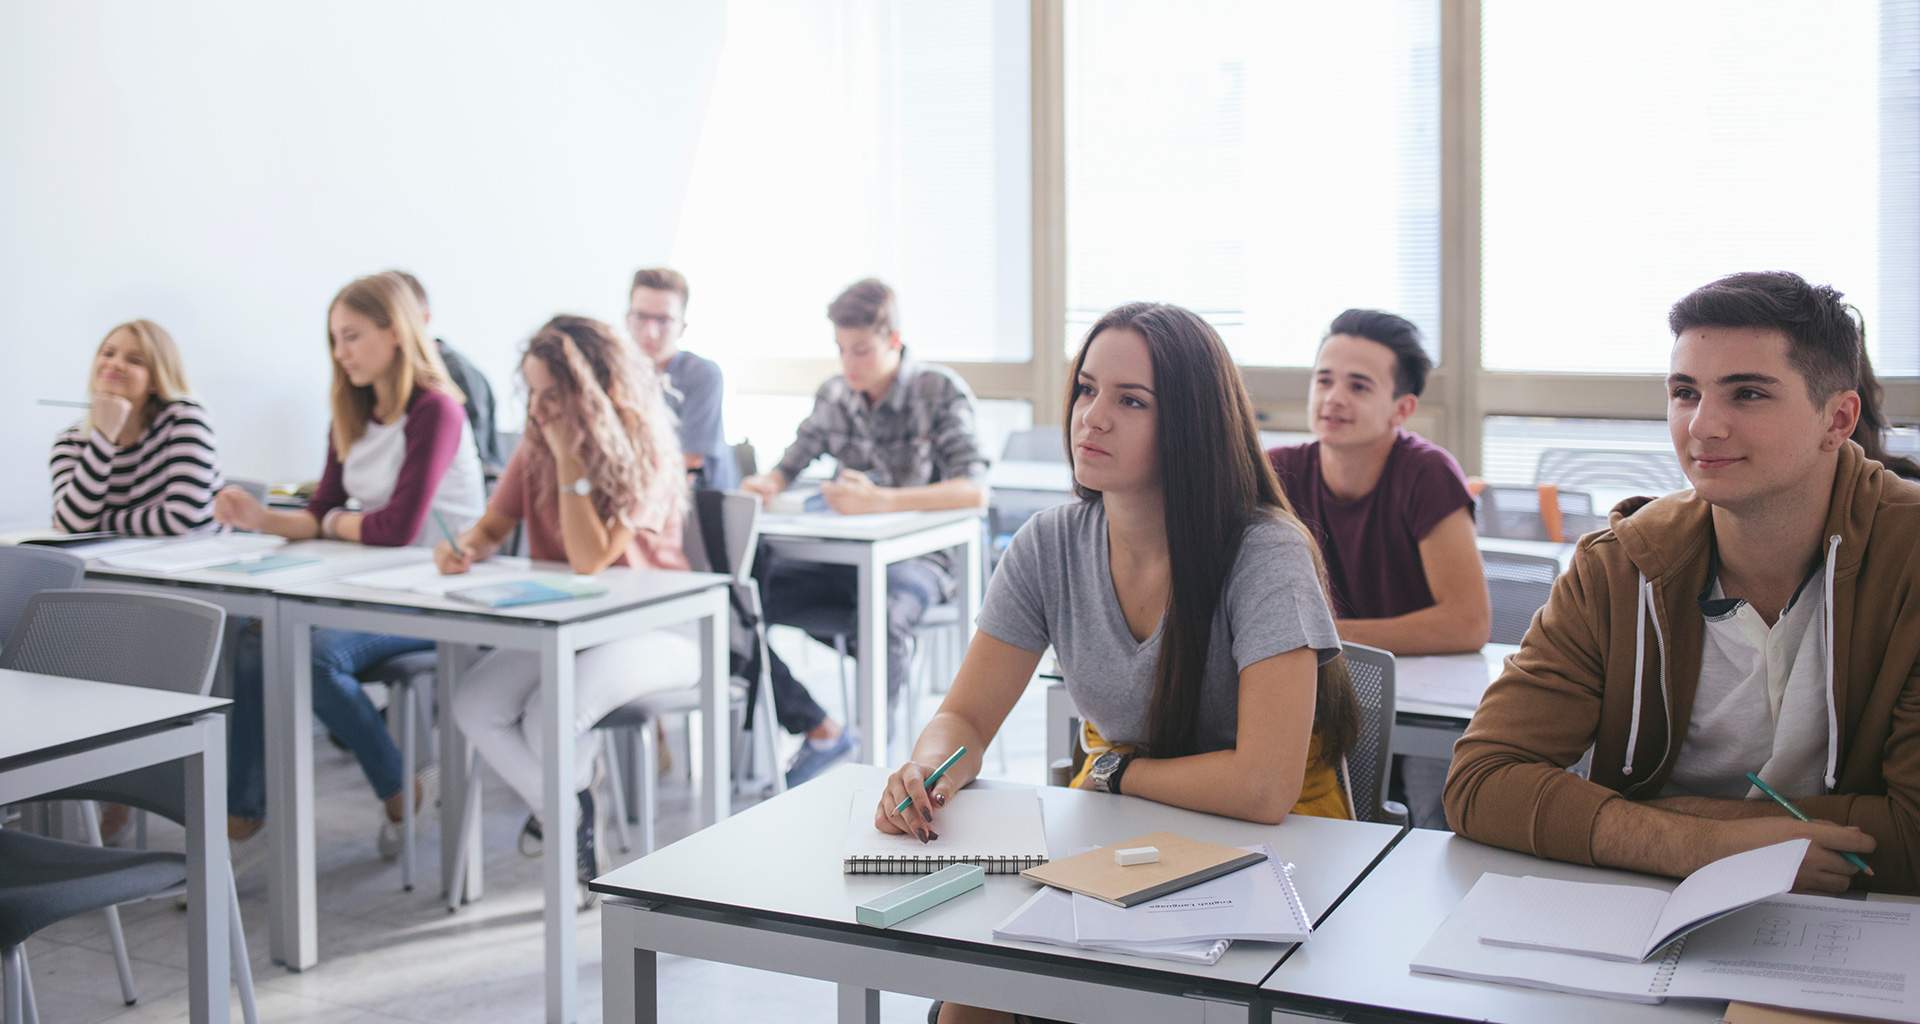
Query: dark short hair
<point>866,303</point>
<point>419,290</point>
<point>662,279</point>
<point>1399,335</point>
<point>1826,341</point>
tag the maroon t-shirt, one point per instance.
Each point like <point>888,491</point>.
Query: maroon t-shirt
<point>1372,543</point>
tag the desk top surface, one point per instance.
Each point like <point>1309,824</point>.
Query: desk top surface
<point>781,860</point>
<point>44,713</point>
<point>1447,684</point>
<point>1360,953</point>
<point>330,559</point>
<point>626,589</point>
<point>866,528</point>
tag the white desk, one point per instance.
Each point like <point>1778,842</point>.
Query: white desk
<point>59,732</point>
<point>637,600</point>
<point>1435,696</point>
<point>870,544</point>
<point>1559,551</point>
<point>765,889</point>
<point>1355,967</point>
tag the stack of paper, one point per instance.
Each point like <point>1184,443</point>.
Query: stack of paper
<point>1194,925</point>
<point>187,555</point>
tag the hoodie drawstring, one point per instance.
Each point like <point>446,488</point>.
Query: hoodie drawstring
<point>1833,711</point>
<point>1639,669</point>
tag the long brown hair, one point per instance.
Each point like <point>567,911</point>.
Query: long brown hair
<point>624,433</point>
<point>1219,485</point>
<point>386,300</point>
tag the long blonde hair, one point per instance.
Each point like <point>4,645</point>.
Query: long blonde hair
<point>626,438</point>
<point>166,381</point>
<point>388,302</point>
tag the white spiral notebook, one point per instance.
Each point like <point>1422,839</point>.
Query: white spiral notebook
<point>998,829</point>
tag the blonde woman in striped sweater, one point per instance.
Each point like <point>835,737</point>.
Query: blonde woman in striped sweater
<point>142,461</point>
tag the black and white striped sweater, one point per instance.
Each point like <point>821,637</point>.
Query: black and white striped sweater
<point>160,485</point>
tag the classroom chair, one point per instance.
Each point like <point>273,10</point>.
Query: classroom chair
<point>409,679</point>
<point>26,570</point>
<point>1653,473</point>
<point>745,460</point>
<point>1517,587</point>
<point>134,639</point>
<point>1365,769</point>
<point>1541,512</point>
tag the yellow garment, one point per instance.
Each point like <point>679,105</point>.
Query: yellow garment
<point>1321,795</point>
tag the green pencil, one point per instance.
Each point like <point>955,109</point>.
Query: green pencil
<point>1852,858</point>
<point>452,541</point>
<point>934,778</point>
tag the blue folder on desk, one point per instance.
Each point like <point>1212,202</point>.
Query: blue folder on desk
<point>525,592</point>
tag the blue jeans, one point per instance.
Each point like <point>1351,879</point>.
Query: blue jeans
<point>339,656</point>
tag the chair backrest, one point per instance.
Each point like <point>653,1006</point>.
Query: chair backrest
<point>1653,472</point>
<point>26,570</point>
<point>738,541</point>
<point>1371,670</point>
<point>119,636</point>
<point>745,460</point>
<point>509,442</point>
<point>1035,444</point>
<point>1517,586</point>
<point>1515,513</point>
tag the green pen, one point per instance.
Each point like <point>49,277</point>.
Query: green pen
<point>1852,858</point>
<point>932,779</point>
<point>452,541</point>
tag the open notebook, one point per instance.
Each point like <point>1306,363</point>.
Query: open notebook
<point>998,829</point>
<point>1819,953</point>
<point>1632,922</point>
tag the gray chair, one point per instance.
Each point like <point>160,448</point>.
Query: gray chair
<point>409,679</point>
<point>1365,769</point>
<point>745,460</point>
<point>134,639</point>
<point>1518,586</point>
<point>1654,473</point>
<point>1514,513</point>
<point>26,570</point>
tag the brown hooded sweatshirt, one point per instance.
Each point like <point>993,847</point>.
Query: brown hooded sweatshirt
<point>1620,640</point>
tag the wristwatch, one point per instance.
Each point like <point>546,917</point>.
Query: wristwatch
<point>1107,769</point>
<point>582,487</point>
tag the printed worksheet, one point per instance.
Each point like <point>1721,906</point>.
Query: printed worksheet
<point>1810,952</point>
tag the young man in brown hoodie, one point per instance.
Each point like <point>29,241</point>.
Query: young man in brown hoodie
<point>1767,620</point>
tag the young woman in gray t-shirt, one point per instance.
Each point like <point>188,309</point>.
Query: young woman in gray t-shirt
<point>1184,601</point>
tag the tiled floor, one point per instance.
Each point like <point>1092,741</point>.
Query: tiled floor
<point>387,955</point>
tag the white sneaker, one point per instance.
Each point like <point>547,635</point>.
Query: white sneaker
<point>390,840</point>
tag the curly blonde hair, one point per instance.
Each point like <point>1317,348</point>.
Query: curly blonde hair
<point>625,435</point>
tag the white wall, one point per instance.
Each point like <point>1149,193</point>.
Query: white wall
<point>223,167</point>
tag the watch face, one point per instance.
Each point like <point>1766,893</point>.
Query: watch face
<point>1106,763</point>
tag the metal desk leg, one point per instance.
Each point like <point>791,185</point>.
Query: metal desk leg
<point>456,772</point>
<point>629,976</point>
<point>559,812</point>
<point>859,1005</point>
<point>288,706</point>
<point>716,713</point>
<point>208,943</point>
<point>870,666</point>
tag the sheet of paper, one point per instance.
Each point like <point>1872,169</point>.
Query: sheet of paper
<point>424,578</point>
<point>1455,950</point>
<point>1257,903</point>
<point>200,553</point>
<point>1820,953</point>
<point>1448,680</point>
<point>1048,918</point>
<point>1588,918</point>
<point>1725,886</point>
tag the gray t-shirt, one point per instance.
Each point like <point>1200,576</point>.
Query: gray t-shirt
<point>1054,587</point>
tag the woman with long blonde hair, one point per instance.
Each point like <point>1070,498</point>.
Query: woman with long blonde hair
<point>141,461</point>
<point>598,481</point>
<point>400,446</point>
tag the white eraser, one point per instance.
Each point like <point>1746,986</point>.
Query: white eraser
<point>1137,855</point>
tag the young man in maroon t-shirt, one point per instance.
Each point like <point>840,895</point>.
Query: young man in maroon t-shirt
<point>1390,509</point>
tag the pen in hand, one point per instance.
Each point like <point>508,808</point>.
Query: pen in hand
<point>452,541</point>
<point>1852,858</point>
<point>933,779</point>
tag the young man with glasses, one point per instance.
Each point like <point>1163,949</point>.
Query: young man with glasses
<point>656,316</point>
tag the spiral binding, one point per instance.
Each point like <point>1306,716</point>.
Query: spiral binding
<point>904,865</point>
<point>1670,963</point>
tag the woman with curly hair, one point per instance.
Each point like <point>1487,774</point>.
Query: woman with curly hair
<point>599,481</point>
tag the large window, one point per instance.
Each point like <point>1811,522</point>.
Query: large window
<point>848,138</point>
<point>1636,150</point>
<point>1264,164</point>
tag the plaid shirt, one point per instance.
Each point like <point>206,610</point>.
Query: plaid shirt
<point>921,433</point>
